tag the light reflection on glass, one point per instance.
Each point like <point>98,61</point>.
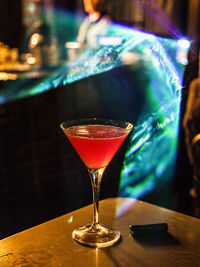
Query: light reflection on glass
<point>35,39</point>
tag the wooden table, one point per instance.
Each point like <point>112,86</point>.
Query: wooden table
<point>50,244</point>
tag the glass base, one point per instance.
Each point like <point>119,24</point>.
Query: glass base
<point>101,236</point>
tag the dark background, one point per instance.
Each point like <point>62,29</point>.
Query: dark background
<point>41,176</point>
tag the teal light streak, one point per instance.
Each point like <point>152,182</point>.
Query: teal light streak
<point>150,160</point>
<point>151,165</point>
<point>91,62</point>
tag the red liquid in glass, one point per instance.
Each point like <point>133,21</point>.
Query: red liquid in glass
<point>96,144</point>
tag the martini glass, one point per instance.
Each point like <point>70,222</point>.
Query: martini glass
<point>96,141</point>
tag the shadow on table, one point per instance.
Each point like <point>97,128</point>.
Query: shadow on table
<point>161,239</point>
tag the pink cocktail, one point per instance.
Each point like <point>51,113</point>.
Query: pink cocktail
<point>96,141</point>
<point>96,144</point>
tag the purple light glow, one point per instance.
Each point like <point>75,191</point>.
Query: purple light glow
<point>154,10</point>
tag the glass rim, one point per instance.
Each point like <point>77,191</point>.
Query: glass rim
<point>127,126</point>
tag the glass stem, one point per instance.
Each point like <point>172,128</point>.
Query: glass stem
<point>96,176</point>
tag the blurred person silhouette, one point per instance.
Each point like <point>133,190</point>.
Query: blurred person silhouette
<point>95,23</point>
<point>191,127</point>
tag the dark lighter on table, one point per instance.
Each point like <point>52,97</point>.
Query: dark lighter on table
<point>148,229</point>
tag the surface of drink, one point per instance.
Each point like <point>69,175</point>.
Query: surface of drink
<point>96,144</point>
